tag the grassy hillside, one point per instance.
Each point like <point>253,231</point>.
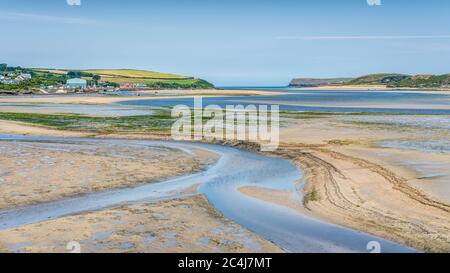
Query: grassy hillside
<point>178,84</point>
<point>378,79</point>
<point>153,80</point>
<point>129,73</point>
<point>39,79</point>
<point>426,81</point>
<point>404,81</point>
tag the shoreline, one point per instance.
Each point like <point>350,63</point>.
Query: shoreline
<point>386,216</point>
<point>109,99</point>
<point>343,187</point>
<point>359,194</point>
<point>308,230</point>
<point>168,226</point>
<point>87,169</point>
<point>370,88</point>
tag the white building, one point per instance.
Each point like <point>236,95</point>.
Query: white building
<point>26,76</point>
<point>76,83</point>
<point>8,81</point>
<point>19,79</point>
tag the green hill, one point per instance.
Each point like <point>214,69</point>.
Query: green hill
<point>378,79</point>
<point>152,80</point>
<point>404,81</point>
<point>131,73</point>
<point>425,81</point>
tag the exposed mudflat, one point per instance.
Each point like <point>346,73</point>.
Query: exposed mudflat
<point>37,172</point>
<point>164,227</point>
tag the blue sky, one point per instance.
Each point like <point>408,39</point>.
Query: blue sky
<point>230,42</point>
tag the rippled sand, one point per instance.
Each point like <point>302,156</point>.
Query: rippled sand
<point>400,193</point>
<point>33,172</point>
<point>168,227</point>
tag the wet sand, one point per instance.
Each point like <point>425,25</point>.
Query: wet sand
<point>357,192</point>
<point>104,99</point>
<point>103,110</point>
<point>19,128</point>
<point>362,186</point>
<point>164,227</point>
<point>34,172</point>
<point>349,183</point>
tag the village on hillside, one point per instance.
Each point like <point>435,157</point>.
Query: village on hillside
<point>19,80</point>
<point>23,80</point>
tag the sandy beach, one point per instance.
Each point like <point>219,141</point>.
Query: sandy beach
<point>356,186</point>
<point>28,173</point>
<point>146,95</point>
<point>300,127</point>
<point>164,227</point>
<point>347,180</point>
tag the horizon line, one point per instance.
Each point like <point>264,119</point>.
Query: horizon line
<point>364,37</point>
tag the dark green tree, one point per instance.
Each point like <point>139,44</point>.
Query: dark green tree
<point>96,78</point>
<point>73,74</point>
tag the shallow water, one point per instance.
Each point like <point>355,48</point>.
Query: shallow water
<point>432,174</point>
<point>286,227</point>
<point>434,178</point>
<point>438,122</point>
<point>82,109</point>
<point>431,132</point>
<point>429,146</point>
<point>327,101</point>
<point>427,136</point>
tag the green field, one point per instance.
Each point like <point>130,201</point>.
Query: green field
<point>404,81</point>
<point>130,73</point>
<point>43,77</point>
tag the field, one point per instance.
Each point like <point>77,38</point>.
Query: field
<point>404,81</point>
<point>130,73</point>
<point>153,80</point>
<point>114,77</point>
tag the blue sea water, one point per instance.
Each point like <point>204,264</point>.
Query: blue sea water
<point>326,101</point>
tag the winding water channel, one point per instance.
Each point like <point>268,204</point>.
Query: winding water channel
<point>287,228</point>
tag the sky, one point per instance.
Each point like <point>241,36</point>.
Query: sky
<point>230,42</point>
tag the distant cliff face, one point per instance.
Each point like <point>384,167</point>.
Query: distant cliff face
<point>310,82</point>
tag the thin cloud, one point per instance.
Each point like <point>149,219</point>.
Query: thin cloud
<point>46,18</point>
<point>396,37</point>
